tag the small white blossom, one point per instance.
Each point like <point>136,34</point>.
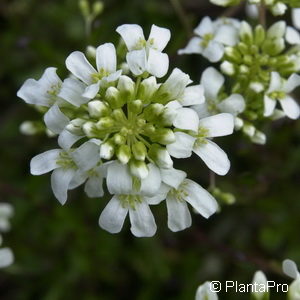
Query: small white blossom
<point>290,269</point>
<point>260,279</point>
<point>146,56</point>
<point>211,39</point>
<point>201,144</point>
<point>279,90</point>
<point>106,62</point>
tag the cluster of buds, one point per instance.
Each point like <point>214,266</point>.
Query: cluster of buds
<point>125,130</point>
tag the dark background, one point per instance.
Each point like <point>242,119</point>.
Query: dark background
<point>60,252</point>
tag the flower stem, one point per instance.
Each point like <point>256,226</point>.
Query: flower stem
<point>212,180</point>
<point>262,14</point>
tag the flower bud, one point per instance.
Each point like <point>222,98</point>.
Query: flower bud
<point>107,150</point>
<point>75,126</point>
<point>105,122</point>
<point>91,52</point>
<point>147,88</point>
<point>160,156</point>
<point>135,106</point>
<point>126,87</point>
<point>97,8</point>
<point>124,154</point>
<point>119,139</point>
<point>249,129</point>
<point>246,33</point>
<point>163,136</point>
<point>259,138</point>
<point>260,279</point>
<point>97,109</point>
<point>138,169</point>
<point>227,68</point>
<point>139,151</point>
<point>152,111</point>
<point>112,96</point>
<point>29,128</point>
<point>90,129</point>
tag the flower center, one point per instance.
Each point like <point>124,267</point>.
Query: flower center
<point>130,201</point>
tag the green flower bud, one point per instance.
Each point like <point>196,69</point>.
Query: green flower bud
<point>135,106</point>
<point>97,8</point>
<point>119,139</point>
<point>90,129</point>
<point>160,156</point>
<point>85,8</point>
<point>126,87</point>
<point>139,151</point>
<point>227,68</point>
<point>233,54</point>
<point>113,97</point>
<point>105,122</point>
<point>147,88</point>
<point>246,33</point>
<point>152,111</point>
<point>124,154</point>
<point>163,136</point>
<point>259,35</point>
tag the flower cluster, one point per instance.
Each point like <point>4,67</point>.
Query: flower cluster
<point>6,255</point>
<point>123,130</point>
<point>261,67</point>
<point>277,7</point>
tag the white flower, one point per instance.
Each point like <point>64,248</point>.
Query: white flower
<point>212,81</point>
<point>178,191</point>
<point>106,62</point>
<point>146,56</point>
<point>278,90</point>
<point>204,292</point>
<point>292,36</point>
<point>211,38</point>
<point>296,17</point>
<point>43,92</point>
<point>65,165</point>
<point>212,155</point>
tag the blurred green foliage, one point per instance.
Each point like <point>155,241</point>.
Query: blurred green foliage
<point>60,252</point>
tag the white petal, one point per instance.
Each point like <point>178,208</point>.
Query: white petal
<point>193,95</point>
<point>158,63</point>
<point>205,27</point>
<point>119,180</point>
<point>160,195</point>
<point>55,120</point>
<point>72,90</point>
<point>290,107</point>
<point>66,139</point>
<point>204,290</point>
<point>290,268</point>
<point>227,35</point>
<point>106,58</point>
<point>91,91</point>
<point>234,104</point>
<point>49,79</point>
<point>292,83</point>
<point>193,47</point>
<point>131,34</point>
<point>151,184</point>
<point>218,125</point>
<point>201,200</point>
<point>275,82</point>
<point>159,37</point>
<point>113,76</point>
<point>201,110</point>
<point>31,94</point>
<point>186,119</point>
<point>79,66</point>
<point>213,156</point>
<point>292,36</point>
<point>6,257</point>
<point>212,81</point>
<point>183,145</point>
<point>214,51</point>
<point>60,181</point>
<point>86,156</point>
<point>44,162</point>
<point>142,220</point>
<point>137,61</point>
<point>172,177</point>
<point>78,179</point>
<point>269,106</point>
<point>94,187</point>
<point>179,217</point>
<point>296,17</point>
<point>113,216</point>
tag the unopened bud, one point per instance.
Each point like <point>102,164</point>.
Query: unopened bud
<point>139,151</point>
<point>124,154</point>
<point>97,109</point>
<point>138,169</point>
<point>107,150</point>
